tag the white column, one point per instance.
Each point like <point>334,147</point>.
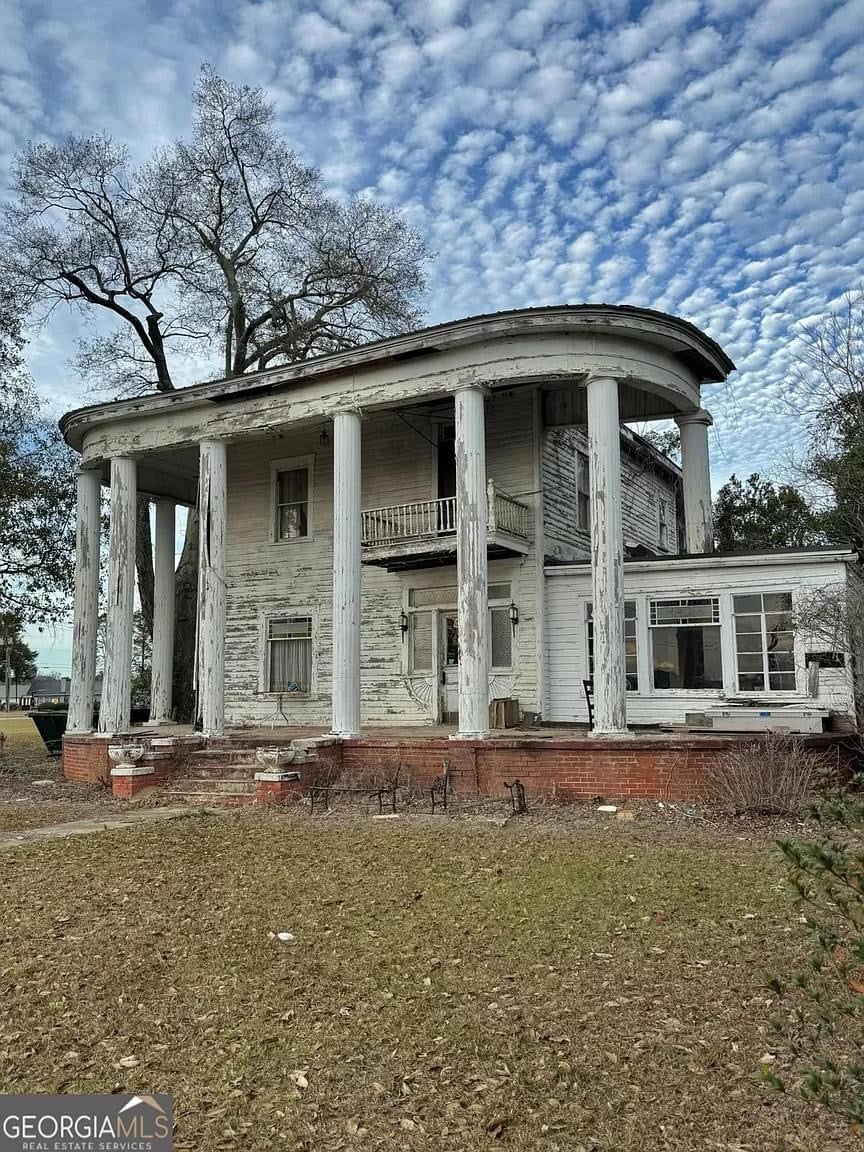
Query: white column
<point>698,516</point>
<point>607,557</point>
<point>86,611</point>
<point>346,574</point>
<point>162,673</point>
<point>117,676</point>
<point>471,563</point>
<point>210,637</point>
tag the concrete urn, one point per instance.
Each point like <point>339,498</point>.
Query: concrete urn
<point>125,755</point>
<point>274,759</point>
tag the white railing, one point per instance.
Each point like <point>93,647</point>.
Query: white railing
<point>428,519</point>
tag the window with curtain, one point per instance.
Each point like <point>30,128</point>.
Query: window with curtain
<point>289,654</point>
<point>631,661</point>
<point>292,504</point>
<point>685,643</point>
<point>764,642</point>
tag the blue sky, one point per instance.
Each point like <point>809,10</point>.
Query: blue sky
<point>704,157</point>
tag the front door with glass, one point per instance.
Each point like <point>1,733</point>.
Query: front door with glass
<point>448,663</point>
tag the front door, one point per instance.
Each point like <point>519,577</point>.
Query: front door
<point>448,662</point>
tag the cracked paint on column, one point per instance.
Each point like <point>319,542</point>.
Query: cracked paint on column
<point>163,613</point>
<point>114,711</point>
<point>210,645</point>
<point>607,556</point>
<point>472,565</point>
<point>86,611</point>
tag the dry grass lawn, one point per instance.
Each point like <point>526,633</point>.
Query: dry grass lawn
<point>453,985</point>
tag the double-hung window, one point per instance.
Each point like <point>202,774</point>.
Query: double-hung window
<point>292,500</point>
<point>631,662</point>
<point>685,643</point>
<point>662,523</point>
<point>764,642</point>
<point>289,654</point>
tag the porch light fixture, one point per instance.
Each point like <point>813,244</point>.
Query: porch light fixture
<point>324,438</point>
<point>403,621</point>
<point>514,615</point>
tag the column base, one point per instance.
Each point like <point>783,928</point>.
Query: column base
<point>610,734</point>
<point>345,735</point>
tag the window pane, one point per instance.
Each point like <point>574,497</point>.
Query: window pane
<point>748,624</point>
<point>422,636</point>
<point>781,641</point>
<point>748,603</point>
<point>751,683</point>
<point>778,622</point>
<point>629,610</point>
<point>499,591</point>
<point>781,661</point>
<point>294,486</point>
<point>748,662</point>
<point>749,642</point>
<point>687,657</point>
<point>424,597</point>
<point>293,522</point>
<point>290,665</point>
<point>782,681</point>
<point>501,638</point>
<point>778,602</point>
<point>694,611</point>
<point>631,659</point>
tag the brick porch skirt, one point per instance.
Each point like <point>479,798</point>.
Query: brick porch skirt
<point>653,767</point>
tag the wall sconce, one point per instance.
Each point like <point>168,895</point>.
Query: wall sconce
<point>514,616</point>
<point>403,621</point>
<point>324,438</point>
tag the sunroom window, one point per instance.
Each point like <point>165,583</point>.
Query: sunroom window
<point>631,663</point>
<point>685,643</point>
<point>289,654</point>
<point>764,642</point>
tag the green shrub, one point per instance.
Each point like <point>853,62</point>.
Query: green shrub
<point>824,1019</point>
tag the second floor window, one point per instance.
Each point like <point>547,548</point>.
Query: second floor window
<point>583,492</point>
<point>292,503</point>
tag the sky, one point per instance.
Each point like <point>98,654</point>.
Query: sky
<point>702,157</point>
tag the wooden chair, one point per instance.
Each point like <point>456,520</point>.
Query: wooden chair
<point>588,685</point>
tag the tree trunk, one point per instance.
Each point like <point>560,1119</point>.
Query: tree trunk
<point>144,562</point>
<point>185,618</point>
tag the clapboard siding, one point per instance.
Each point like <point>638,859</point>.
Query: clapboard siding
<point>568,593</point>
<point>644,481</point>
<point>399,464</point>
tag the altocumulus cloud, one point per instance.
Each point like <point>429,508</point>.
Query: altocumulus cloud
<point>704,157</point>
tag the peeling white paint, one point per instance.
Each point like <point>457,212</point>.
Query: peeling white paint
<point>472,562</point>
<point>698,516</point>
<point>163,613</point>
<point>86,610</point>
<point>210,645</point>
<point>114,710</point>
<point>346,573</point>
<point>607,556</point>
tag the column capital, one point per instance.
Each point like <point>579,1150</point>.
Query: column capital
<point>697,416</point>
<point>483,389</point>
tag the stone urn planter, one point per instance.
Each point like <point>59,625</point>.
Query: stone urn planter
<point>125,755</point>
<point>275,759</point>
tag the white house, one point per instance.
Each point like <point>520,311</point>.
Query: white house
<point>399,533</point>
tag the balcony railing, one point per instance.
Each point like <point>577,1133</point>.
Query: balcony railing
<point>430,519</point>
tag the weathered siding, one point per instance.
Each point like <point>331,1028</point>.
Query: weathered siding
<point>643,484</point>
<point>399,464</point>
<point>568,593</point>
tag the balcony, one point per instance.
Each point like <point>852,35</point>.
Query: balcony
<point>423,533</point>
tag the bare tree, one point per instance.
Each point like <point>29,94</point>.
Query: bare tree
<point>223,246</point>
<point>828,393</point>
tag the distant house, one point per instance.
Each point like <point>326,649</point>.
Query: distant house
<point>49,690</point>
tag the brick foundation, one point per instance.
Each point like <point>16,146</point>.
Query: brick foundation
<point>650,767</point>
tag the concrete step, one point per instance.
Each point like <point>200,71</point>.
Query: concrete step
<point>226,771</point>
<point>207,799</point>
<point>231,785</point>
